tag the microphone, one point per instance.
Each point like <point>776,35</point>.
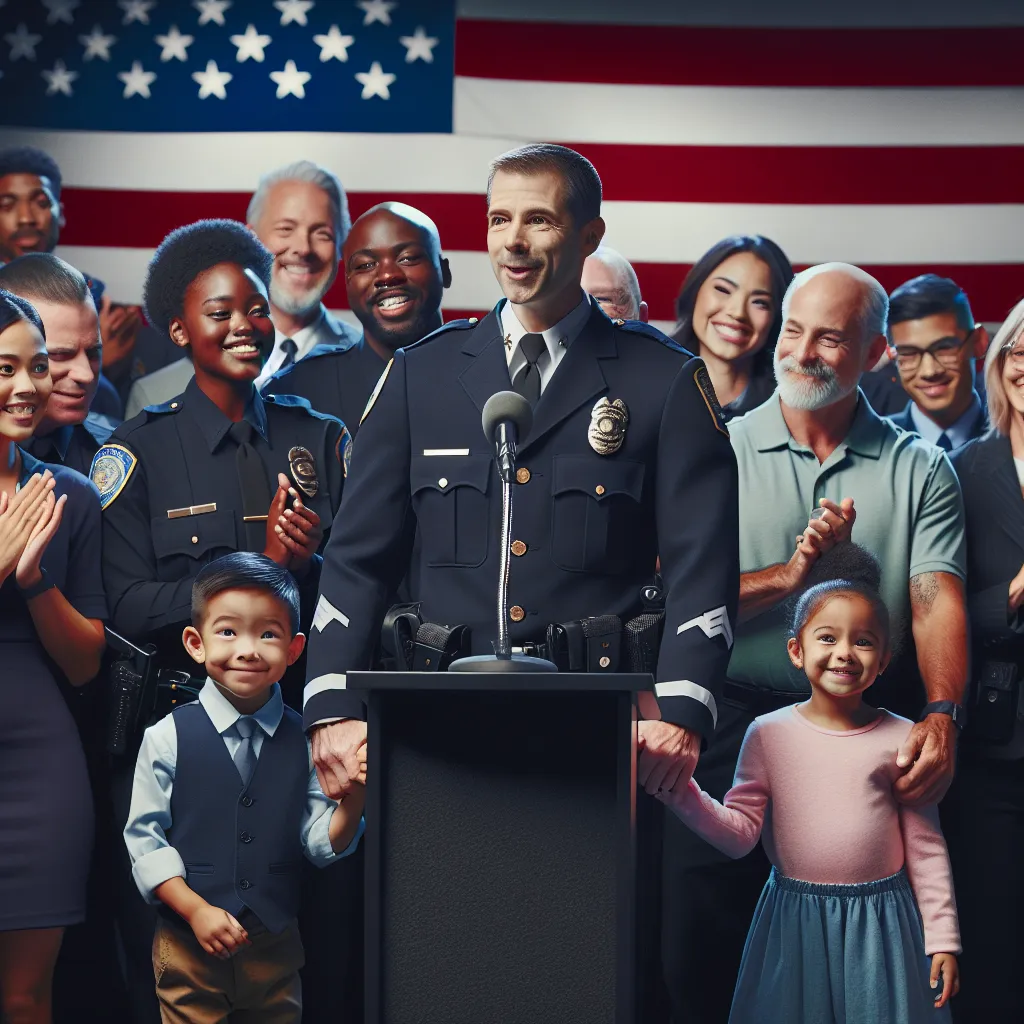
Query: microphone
<point>507,419</point>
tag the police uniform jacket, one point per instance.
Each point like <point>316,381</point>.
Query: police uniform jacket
<point>172,502</point>
<point>74,445</point>
<point>333,379</point>
<point>587,528</point>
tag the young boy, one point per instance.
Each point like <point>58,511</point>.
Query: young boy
<point>226,801</point>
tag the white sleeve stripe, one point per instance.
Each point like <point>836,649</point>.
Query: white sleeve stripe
<point>331,681</point>
<point>684,688</point>
<point>326,613</point>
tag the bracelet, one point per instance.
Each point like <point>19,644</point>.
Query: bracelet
<point>43,584</point>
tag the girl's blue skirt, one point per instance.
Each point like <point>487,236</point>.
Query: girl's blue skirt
<point>836,954</point>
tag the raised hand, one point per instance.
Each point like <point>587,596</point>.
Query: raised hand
<point>19,517</point>
<point>298,528</point>
<point>274,547</point>
<point>29,571</point>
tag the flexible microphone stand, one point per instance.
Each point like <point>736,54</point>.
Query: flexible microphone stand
<point>507,417</point>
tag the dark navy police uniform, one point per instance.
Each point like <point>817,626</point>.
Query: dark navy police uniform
<point>173,502</point>
<point>337,380</point>
<point>587,527</point>
<point>74,445</point>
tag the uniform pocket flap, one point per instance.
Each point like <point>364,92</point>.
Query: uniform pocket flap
<point>444,472</point>
<point>194,535</point>
<point>597,477</point>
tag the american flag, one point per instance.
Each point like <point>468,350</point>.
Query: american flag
<point>895,147</point>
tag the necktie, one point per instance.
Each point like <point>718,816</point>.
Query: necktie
<point>944,442</point>
<point>289,348</point>
<point>245,755</point>
<point>527,380</point>
<point>252,479</point>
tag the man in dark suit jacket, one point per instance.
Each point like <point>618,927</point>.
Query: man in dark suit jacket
<point>395,274</point>
<point>934,342</point>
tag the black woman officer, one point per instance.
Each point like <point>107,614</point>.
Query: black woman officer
<point>215,470</point>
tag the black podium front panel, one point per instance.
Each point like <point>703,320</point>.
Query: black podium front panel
<point>500,855</point>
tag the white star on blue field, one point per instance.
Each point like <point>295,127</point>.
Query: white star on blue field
<point>228,65</point>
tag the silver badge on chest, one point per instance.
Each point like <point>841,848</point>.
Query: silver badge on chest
<point>608,422</point>
<point>303,467</point>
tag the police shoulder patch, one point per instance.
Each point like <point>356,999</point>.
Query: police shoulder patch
<point>376,390</point>
<point>111,467</point>
<point>707,392</point>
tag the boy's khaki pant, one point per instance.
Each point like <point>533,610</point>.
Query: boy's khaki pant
<point>258,985</point>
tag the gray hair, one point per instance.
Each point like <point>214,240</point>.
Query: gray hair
<point>314,174</point>
<point>615,261</point>
<point>875,312</point>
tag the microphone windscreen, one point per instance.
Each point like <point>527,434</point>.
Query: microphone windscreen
<point>507,406</point>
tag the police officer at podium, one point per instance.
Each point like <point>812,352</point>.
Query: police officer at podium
<point>628,459</point>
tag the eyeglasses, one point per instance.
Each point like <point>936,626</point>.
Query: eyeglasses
<point>945,351</point>
<point>1014,356</point>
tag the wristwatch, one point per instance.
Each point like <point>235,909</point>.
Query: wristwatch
<point>945,707</point>
<point>39,587</point>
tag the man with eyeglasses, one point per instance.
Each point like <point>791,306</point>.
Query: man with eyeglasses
<point>934,342</point>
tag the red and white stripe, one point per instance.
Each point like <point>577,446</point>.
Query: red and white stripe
<point>899,149</point>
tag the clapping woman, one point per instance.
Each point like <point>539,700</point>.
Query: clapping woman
<point>51,612</point>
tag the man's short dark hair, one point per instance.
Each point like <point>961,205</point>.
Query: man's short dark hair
<point>929,295</point>
<point>29,160</point>
<point>186,252</point>
<point>244,570</point>
<point>14,308</point>
<point>582,182</point>
<point>43,277</point>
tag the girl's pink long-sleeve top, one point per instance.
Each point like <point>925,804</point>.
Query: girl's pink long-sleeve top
<point>822,803</point>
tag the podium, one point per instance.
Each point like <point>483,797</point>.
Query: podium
<point>500,847</point>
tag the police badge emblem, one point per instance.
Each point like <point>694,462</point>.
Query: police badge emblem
<point>303,467</point>
<point>608,422</point>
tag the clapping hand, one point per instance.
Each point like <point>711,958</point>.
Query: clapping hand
<point>29,571</point>
<point>297,528</point>
<point>19,517</point>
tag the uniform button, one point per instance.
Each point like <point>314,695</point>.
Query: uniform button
<point>244,883</point>
<point>245,837</point>
<point>518,548</point>
<point>605,662</point>
<point>443,482</point>
<point>522,475</point>
<point>174,405</point>
<point>516,614</point>
<point>599,489</point>
<point>195,540</point>
<point>247,801</point>
<point>473,319</point>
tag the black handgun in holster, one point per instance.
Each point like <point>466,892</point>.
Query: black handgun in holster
<point>132,675</point>
<point>642,634</point>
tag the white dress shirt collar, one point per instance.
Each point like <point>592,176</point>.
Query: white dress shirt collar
<point>557,339</point>
<point>959,432</point>
<point>224,714</point>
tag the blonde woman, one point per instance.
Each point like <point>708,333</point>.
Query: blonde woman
<point>983,814</point>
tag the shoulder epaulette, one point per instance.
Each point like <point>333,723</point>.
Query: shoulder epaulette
<point>297,402</point>
<point>639,327</point>
<point>173,405</point>
<point>451,325</point>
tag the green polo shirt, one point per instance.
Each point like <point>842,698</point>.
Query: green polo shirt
<point>910,516</point>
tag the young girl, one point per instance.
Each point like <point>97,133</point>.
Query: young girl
<point>837,935</point>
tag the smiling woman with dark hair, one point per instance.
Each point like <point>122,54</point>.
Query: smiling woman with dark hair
<point>729,313</point>
<point>51,612</point>
<point>215,470</point>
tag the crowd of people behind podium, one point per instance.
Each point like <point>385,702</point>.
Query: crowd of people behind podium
<point>880,449</point>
